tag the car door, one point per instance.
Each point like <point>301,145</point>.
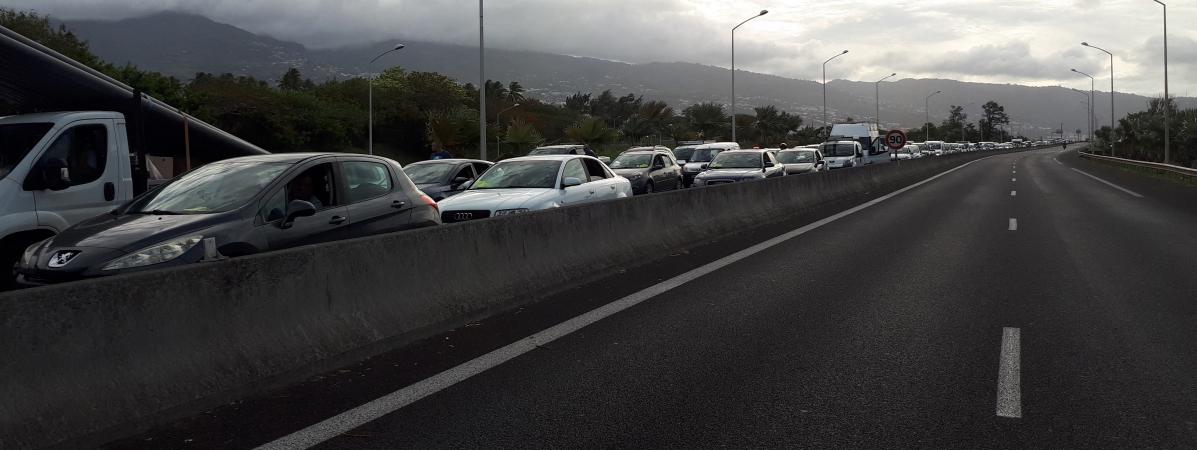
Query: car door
<point>657,173</point>
<point>93,162</point>
<point>573,195</point>
<point>604,185</point>
<point>375,201</point>
<point>329,223</point>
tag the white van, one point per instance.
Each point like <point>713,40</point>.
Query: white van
<point>842,154</point>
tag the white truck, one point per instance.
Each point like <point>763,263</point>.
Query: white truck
<point>873,148</point>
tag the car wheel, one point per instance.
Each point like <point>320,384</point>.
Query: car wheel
<point>648,188</point>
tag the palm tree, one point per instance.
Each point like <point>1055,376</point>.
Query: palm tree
<point>656,114</point>
<point>592,131</point>
<point>707,118</point>
<point>636,128</point>
<point>450,129</point>
<point>515,92</point>
<point>522,135</point>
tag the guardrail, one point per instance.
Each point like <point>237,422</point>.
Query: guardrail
<point>1169,168</point>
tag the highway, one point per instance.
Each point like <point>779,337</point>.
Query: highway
<point>1031,299</point>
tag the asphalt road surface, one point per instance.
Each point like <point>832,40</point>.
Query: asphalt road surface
<point>1016,302</point>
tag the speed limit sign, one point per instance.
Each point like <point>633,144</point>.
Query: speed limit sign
<point>895,139</point>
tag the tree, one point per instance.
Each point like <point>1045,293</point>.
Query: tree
<point>522,136</point>
<point>578,102</point>
<point>450,128</point>
<point>706,118</point>
<point>592,131</point>
<point>994,117</point>
<point>515,92</point>
<point>291,81</point>
<point>954,125</point>
<point>656,114</point>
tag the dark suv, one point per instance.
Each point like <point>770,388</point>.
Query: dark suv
<point>241,206</point>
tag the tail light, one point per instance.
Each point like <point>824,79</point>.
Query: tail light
<point>429,201</point>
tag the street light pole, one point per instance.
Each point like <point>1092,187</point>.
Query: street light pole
<point>1167,102</point>
<point>733,70</point>
<point>499,122</point>
<point>825,123</point>
<point>1086,44</point>
<point>370,139</point>
<point>1092,103</point>
<point>878,92</point>
<point>481,82</point>
<point>927,110</point>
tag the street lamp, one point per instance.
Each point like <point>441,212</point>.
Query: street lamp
<point>499,122</point>
<point>878,90</point>
<point>1087,103</point>
<point>370,143</point>
<point>927,109</point>
<point>1092,102</point>
<point>733,70</point>
<point>1167,103</point>
<point>481,83</point>
<point>1086,44</point>
<point>825,123</point>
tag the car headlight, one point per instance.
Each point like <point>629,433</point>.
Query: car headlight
<point>700,181</point>
<point>155,254</point>
<point>508,212</point>
<point>29,258</point>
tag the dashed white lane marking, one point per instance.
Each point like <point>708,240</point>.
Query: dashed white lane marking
<point>1013,193</point>
<point>389,403</point>
<point>1009,394</point>
<point>1107,183</point>
<point>1057,161</point>
<point>1013,224</point>
<point>1014,179</point>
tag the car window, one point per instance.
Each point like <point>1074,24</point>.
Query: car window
<point>466,172</point>
<point>213,188</point>
<point>480,168</point>
<point>594,168</point>
<point>314,186</point>
<point>84,149</point>
<point>274,207</point>
<point>659,161</point>
<point>366,180</point>
<point>575,169</point>
<point>16,141</point>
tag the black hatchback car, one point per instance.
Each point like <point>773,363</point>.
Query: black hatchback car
<point>444,178</point>
<point>247,205</point>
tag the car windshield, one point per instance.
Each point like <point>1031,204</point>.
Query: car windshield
<point>839,150</point>
<point>704,154</point>
<point>214,188</point>
<point>737,160</point>
<point>16,140</point>
<point>683,153</point>
<point>519,174</point>
<point>632,161</point>
<point>428,173</point>
<point>550,151</point>
<point>796,157</point>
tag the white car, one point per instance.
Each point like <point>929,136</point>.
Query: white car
<point>801,160</point>
<point>531,183</point>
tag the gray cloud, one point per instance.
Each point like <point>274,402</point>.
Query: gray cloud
<point>1023,41</point>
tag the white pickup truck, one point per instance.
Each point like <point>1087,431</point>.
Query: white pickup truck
<point>57,169</point>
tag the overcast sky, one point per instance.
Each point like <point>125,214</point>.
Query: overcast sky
<point>1009,41</point>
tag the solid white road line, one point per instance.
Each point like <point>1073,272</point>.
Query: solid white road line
<point>1115,186</point>
<point>1009,395</point>
<point>1057,161</point>
<point>1013,193</point>
<point>1013,224</point>
<point>356,417</point>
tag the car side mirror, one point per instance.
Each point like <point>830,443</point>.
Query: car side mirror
<point>297,209</point>
<point>465,185</point>
<point>705,166</point>
<point>459,181</point>
<point>769,164</point>
<point>570,182</point>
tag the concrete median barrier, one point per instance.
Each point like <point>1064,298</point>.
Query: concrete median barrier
<point>86,360</point>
